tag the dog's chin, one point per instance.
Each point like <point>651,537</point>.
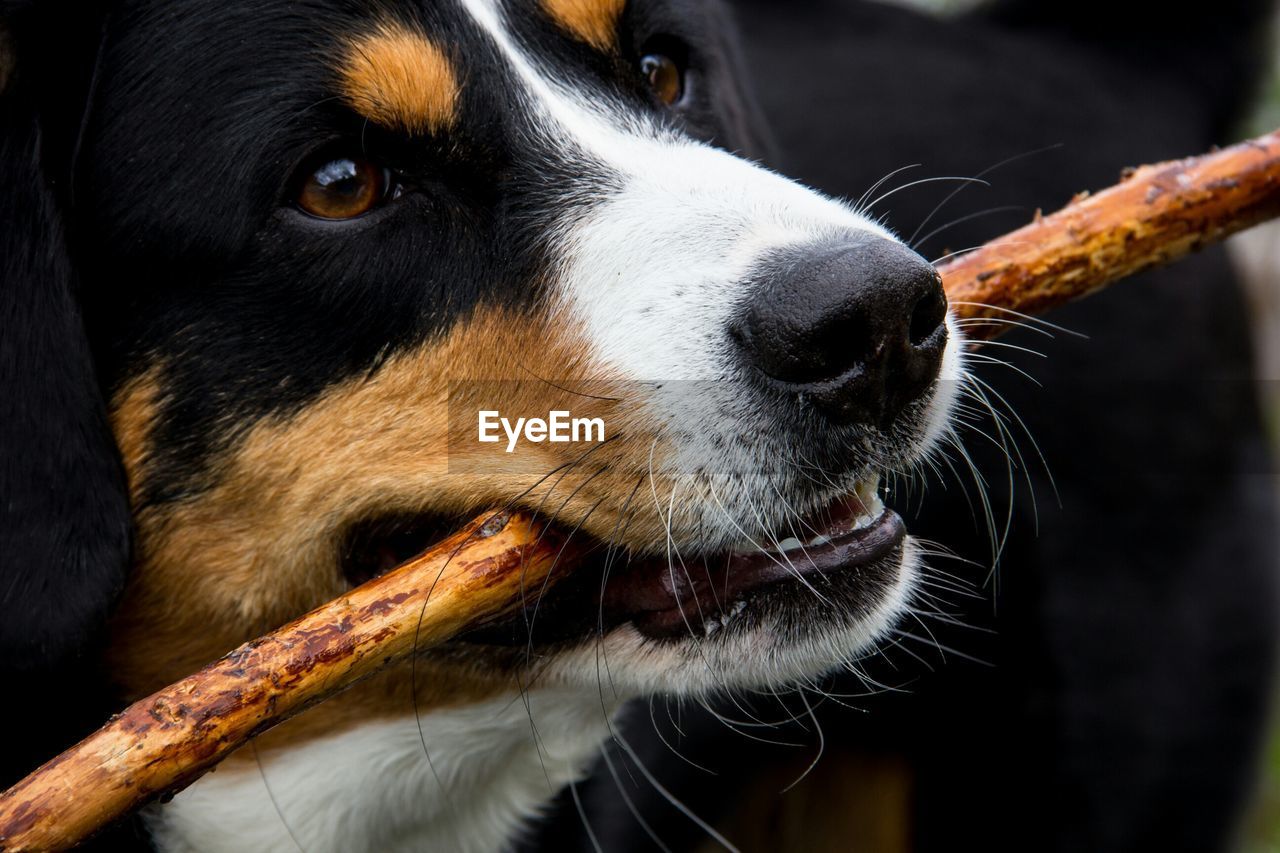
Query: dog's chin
<point>763,615</point>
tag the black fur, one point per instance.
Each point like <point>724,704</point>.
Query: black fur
<point>64,516</point>
<point>230,264</point>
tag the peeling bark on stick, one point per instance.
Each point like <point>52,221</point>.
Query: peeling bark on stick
<point>162,743</point>
<point>1156,215</point>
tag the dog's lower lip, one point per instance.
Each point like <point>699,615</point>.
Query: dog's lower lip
<point>668,598</point>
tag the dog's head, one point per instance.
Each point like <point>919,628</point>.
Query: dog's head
<point>300,247</point>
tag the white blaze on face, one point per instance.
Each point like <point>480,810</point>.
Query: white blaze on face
<point>654,267</point>
<point>653,271</point>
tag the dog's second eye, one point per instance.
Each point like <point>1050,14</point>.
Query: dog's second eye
<point>664,76</point>
<point>343,188</point>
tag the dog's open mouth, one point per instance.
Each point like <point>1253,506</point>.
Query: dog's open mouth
<point>674,594</point>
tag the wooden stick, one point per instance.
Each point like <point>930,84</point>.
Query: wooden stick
<point>162,743</point>
<point>1157,214</point>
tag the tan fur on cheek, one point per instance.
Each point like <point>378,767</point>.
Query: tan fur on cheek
<point>131,420</point>
<point>263,543</point>
<point>592,21</point>
<point>401,80</point>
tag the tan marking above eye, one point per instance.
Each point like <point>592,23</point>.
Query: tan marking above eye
<point>400,79</point>
<point>592,21</point>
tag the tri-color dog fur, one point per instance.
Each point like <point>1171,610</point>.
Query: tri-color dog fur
<point>290,251</point>
<point>258,258</point>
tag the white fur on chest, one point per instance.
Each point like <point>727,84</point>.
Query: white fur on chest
<point>371,788</point>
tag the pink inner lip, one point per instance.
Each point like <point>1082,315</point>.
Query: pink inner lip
<point>663,599</point>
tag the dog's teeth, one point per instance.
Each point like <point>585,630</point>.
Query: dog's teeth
<point>867,490</point>
<point>872,509</point>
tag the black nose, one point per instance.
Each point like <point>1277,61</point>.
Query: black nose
<point>856,328</point>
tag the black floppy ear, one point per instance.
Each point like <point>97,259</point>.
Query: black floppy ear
<point>64,514</point>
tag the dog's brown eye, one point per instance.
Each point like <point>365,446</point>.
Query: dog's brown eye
<point>664,76</point>
<point>343,188</point>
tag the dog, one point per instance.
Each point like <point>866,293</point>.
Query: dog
<point>285,242</point>
<point>271,261</point>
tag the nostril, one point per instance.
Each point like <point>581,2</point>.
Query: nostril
<point>928,314</point>
<point>815,350</point>
<point>837,344</point>
<point>857,327</point>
